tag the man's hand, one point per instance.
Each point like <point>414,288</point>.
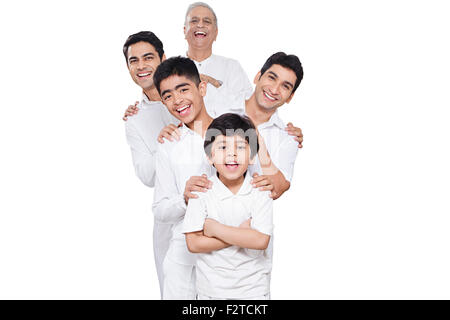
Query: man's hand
<point>214,82</point>
<point>264,183</point>
<point>131,111</point>
<point>196,183</point>
<point>246,224</point>
<point>209,227</point>
<point>170,132</point>
<point>296,132</point>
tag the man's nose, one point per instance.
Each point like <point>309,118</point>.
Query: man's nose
<point>178,98</point>
<point>275,89</point>
<point>141,65</point>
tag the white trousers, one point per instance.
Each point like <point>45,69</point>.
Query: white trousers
<point>264,297</point>
<point>161,240</point>
<point>179,281</point>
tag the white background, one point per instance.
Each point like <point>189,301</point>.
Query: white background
<point>367,216</point>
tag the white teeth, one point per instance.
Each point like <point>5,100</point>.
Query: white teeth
<point>183,108</point>
<point>201,33</point>
<point>269,97</point>
<point>144,74</point>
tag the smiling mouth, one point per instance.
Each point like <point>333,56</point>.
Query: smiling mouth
<point>231,165</point>
<point>200,34</point>
<point>268,96</point>
<point>184,110</point>
<point>143,75</point>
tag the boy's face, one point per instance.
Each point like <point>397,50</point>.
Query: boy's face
<point>142,62</point>
<point>274,88</point>
<point>231,156</point>
<point>182,97</point>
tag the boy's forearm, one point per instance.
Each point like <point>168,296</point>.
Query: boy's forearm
<point>241,237</point>
<point>198,243</point>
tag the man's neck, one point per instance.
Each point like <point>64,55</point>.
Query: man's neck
<point>256,113</point>
<point>152,94</point>
<point>199,55</point>
<point>201,123</point>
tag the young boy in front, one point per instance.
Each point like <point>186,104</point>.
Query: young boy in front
<point>233,212</point>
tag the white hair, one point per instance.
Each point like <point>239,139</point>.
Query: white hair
<point>199,4</point>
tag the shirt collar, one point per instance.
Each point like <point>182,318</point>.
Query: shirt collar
<point>145,101</point>
<point>223,192</point>
<point>274,120</point>
<point>185,131</point>
<point>203,62</point>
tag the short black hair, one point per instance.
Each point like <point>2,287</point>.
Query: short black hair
<point>288,61</point>
<point>179,66</point>
<point>232,124</point>
<point>145,36</point>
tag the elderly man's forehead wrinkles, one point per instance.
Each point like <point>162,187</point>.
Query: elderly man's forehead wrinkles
<point>209,15</point>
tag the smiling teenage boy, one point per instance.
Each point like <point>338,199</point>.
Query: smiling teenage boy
<point>241,270</point>
<point>182,92</point>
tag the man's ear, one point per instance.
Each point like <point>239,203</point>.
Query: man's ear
<point>184,31</point>
<point>258,75</point>
<point>202,87</point>
<point>163,57</point>
<point>217,32</point>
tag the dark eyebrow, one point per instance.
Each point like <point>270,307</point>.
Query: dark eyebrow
<point>176,88</point>
<point>148,54</point>
<point>181,85</point>
<point>165,91</point>
<point>273,73</point>
<point>285,82</point>
<point>289,84</point>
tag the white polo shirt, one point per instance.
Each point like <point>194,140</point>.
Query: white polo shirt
<point>235,85</point>
<point>142,131</point>
<point>281,146</point>
<point>233,272</point>
<point>176,162</point>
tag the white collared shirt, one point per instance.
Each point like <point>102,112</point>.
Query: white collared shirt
<point>176,162</point>
<point>235,85</point>
<point>233,272</point>
<point>142,131</point>
<point>281,146</point>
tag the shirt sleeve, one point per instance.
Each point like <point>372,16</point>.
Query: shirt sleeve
<point>262,213</point>
<point>195,216</point>
<point>233,92</point>
<point>168,202</point>
<point>143,157</point>
<point>285,160</point>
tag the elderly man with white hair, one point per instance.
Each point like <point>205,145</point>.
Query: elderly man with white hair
<point>227,80</point>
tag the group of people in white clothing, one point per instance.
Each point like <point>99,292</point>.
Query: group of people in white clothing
<point>217,154</point>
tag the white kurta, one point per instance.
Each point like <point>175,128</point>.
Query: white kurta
<point>235,87</point>
<point>142,131</point>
